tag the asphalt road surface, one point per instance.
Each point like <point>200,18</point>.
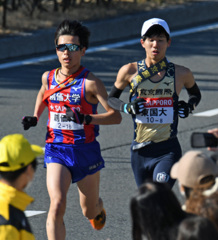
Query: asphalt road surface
<point>19,87</point>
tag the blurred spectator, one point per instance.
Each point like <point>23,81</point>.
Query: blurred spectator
<point>17,168</point>
<point>214,157</point>
<point>204,204</point>
<point>197,228</point>
<point>194,169</point>
<point>156,213</point>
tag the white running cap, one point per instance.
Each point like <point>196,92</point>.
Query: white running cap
<point>154,21</point>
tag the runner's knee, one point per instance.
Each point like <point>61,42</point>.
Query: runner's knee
<point>57,207</point>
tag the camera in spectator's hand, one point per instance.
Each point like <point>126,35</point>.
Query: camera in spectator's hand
<point>200,140</point>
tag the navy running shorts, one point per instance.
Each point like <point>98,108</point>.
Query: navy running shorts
<point>154,161</point>
<point>81,160</point>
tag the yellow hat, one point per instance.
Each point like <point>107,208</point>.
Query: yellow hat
<point>16,152</point>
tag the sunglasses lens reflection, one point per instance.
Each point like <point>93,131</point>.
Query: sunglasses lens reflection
<point>61,47</point>
<point>70,47</point>
<point>73,48</point>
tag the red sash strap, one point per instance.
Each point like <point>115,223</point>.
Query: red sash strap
<point>67,82</point>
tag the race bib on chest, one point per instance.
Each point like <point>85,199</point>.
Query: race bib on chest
<point>59,121</point>
<point>157,111</point>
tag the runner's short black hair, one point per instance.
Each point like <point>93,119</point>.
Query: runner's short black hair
<point>73,28</point>
<point>156,30</point>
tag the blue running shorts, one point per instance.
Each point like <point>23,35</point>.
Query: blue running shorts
<point>81,160</point>
<point>154,161</point>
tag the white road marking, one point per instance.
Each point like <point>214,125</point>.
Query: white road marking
<point>30,213</point>
<point>208,113</point>
<point>107,46</point>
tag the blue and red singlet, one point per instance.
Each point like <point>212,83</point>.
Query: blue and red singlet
<point>59,130</point>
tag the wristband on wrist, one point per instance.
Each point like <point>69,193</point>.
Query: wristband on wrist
<point>88,119</point>
<point>124,108</point>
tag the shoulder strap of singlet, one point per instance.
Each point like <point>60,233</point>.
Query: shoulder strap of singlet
<point>144,73</point>
<point>67,82</point>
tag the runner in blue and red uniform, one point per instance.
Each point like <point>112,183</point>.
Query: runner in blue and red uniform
<point>155,84</point>
<point>72,153</point>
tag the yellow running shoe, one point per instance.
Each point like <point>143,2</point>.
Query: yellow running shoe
<point>99,221</point>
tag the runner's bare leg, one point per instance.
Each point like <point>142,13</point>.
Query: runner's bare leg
<point>58,182</point>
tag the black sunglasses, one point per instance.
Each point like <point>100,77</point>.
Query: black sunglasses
<point>69,46</point>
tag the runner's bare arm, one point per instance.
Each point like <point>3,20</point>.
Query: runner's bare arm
<point>39,105</point>
<point>184,78</point>
<point>96,92</point>
<point>125,75</point>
